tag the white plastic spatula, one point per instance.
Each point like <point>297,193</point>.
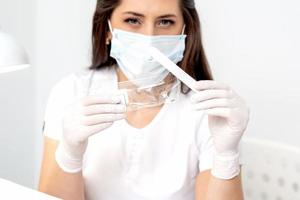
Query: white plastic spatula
<point>173,68</point>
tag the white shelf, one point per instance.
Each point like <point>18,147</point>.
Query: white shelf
<point>13,191</point>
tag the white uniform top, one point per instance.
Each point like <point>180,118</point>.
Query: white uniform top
<point>159,161</point>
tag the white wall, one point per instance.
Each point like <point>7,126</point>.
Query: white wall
<point>254,46</point>
<point>17,98</point>
<point>251,45</point>
<point>56,34</point>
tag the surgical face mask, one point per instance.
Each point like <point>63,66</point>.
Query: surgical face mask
<point>132,53</point>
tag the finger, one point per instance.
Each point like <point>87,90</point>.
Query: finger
<point>91,130</point>
<point>103,99</point>
<point>212,103</point>
<point>209,84</point>
<point>102,118</point>
<point>220,112</point>
<point>103,108</point>
<point>210,94</point>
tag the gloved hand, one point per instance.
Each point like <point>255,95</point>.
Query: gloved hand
<point>82,119</point>
<point>228,117</point>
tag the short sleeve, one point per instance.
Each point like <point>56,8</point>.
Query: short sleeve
<point>205,145</point>
<point>61,95</point>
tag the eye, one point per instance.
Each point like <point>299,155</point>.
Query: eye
<point>132,21</point>
<point>166,22</point>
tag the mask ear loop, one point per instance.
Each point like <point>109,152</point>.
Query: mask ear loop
<point>110,27</point>
<point>183,30</point>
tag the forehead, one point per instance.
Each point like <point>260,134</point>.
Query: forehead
<point>150,7</point>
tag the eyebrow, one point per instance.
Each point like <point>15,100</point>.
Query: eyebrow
<point>141,15</point>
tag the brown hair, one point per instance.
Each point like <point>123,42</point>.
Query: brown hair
<point>194,62</point>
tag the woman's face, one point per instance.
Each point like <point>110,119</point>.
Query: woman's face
<point>149,17</point>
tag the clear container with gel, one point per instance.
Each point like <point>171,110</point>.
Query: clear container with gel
<point>143,93</point>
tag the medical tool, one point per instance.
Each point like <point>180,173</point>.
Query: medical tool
<point>173,68</point>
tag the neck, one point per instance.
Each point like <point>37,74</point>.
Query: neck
<point>121,75</point>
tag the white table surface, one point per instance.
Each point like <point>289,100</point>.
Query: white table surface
<point>10,190</point>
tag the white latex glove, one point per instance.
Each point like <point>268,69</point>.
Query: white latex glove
<point>228,116</point>
<point>82,119</point>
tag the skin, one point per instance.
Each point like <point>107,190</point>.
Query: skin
<point>146,17</point>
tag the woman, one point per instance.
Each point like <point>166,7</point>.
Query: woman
<point>186,149</point>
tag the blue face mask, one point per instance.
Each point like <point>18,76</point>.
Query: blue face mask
<point>132,53</point>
